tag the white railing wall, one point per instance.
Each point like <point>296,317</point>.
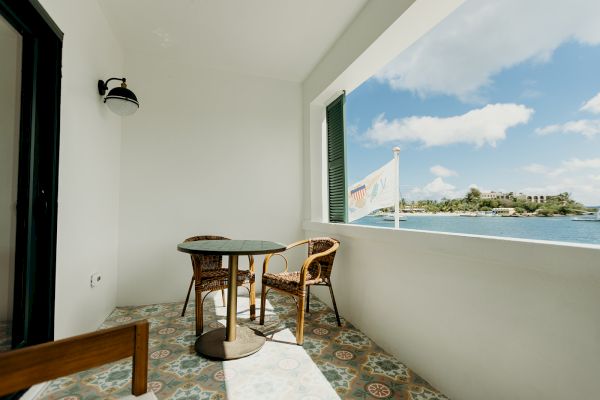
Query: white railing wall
<point>480,318</point>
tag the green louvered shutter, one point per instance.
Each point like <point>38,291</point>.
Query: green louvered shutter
<point>336,160</point>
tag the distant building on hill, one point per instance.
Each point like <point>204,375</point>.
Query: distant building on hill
<point>533,198</point>
<point>490,195</point>
<point>537,198</point>
<point>496,195</point>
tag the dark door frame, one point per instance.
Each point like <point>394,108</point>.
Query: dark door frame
<point>35,253</point>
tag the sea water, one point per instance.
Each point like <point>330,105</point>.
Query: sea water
<point>561,229</point>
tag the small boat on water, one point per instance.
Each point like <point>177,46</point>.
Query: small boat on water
<point>468,214</point>
<point>391,217</point>
<point>589,219</point>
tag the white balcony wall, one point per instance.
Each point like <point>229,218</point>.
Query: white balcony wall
<point>480,318</point>
<point>88,192</point>
<point>209,152</point>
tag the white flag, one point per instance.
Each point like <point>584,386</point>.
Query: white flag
<point>372,193</point>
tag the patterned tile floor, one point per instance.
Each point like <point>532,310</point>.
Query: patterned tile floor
<point>333,363</point>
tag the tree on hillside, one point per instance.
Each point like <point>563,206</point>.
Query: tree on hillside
<point>473,195</point>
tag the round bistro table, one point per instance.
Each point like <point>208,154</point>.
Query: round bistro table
<point>230,343</point>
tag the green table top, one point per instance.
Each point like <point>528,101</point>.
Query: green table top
<point>230,247</point>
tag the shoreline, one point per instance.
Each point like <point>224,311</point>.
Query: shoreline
<point>462,214</point>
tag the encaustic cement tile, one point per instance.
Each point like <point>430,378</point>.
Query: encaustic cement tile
<point>335,362</point>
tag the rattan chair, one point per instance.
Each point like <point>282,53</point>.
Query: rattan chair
<point>209,276</point>
<point>316,270</point>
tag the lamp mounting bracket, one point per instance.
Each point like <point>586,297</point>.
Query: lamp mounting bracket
<point>103,86</point>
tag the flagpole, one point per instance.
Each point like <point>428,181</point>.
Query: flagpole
<point>396,151</point>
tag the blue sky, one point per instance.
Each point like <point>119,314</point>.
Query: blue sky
<point>514,111</point>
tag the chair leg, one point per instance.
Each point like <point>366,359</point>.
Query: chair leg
<point>187,298</point>
<point>300,321</point>
<point>308,299</point>
<point>252,295</point>
<point>199,320</point>
<point>223,297</point>
<point>263,302</point>
<point>337,314</point>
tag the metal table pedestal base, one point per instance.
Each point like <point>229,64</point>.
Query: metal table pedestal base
<point>213,344</point>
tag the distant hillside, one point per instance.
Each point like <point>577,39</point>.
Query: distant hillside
<point>561,204</point>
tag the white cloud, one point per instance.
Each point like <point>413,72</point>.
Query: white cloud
<point>481,126</point>
<point>572,165</point>
<point>586,127</point>
<point>592,105</point>
<point>482,37</point>
<point>438,170</point>
<point>575,164</point>
<point>434,190</point>
<point>352,130</point>
<point>584,192</point>
<point>568,177</point>
<point>535,169</point>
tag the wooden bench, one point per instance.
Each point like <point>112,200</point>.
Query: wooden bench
<point>22,368</point>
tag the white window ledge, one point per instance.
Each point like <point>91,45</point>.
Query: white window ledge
<point>555,257</point>
<point>391,234</point>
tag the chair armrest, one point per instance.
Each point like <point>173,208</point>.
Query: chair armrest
<point>296,244</point>
<point>310,260</point>
<point>268,259</point>
<point>289,246</point>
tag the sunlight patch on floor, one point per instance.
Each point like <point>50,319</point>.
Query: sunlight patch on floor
<point>280,370</point>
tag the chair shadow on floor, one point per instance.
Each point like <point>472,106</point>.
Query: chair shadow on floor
<point>276,325</point>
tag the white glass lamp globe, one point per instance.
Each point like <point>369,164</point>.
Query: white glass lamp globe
<point>122,101</point>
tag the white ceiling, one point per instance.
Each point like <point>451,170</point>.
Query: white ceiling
<point>282,39</point>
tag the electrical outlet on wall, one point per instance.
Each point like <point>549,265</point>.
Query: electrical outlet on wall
<point>95,279</point>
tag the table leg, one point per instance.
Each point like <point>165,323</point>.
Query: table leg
<point>230,342</point>
<point>232,298</point>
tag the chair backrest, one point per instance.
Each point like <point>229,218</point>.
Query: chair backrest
<point>319,245</point>
<point>205,262</point>
<point>22,368</point>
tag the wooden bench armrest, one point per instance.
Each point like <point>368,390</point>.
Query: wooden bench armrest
<point>22,368</point>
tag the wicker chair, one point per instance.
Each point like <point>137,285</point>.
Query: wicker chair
<point>316,270</point>
<point>209,276</point>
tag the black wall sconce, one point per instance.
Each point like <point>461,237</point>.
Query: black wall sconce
<point>119,100</point>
